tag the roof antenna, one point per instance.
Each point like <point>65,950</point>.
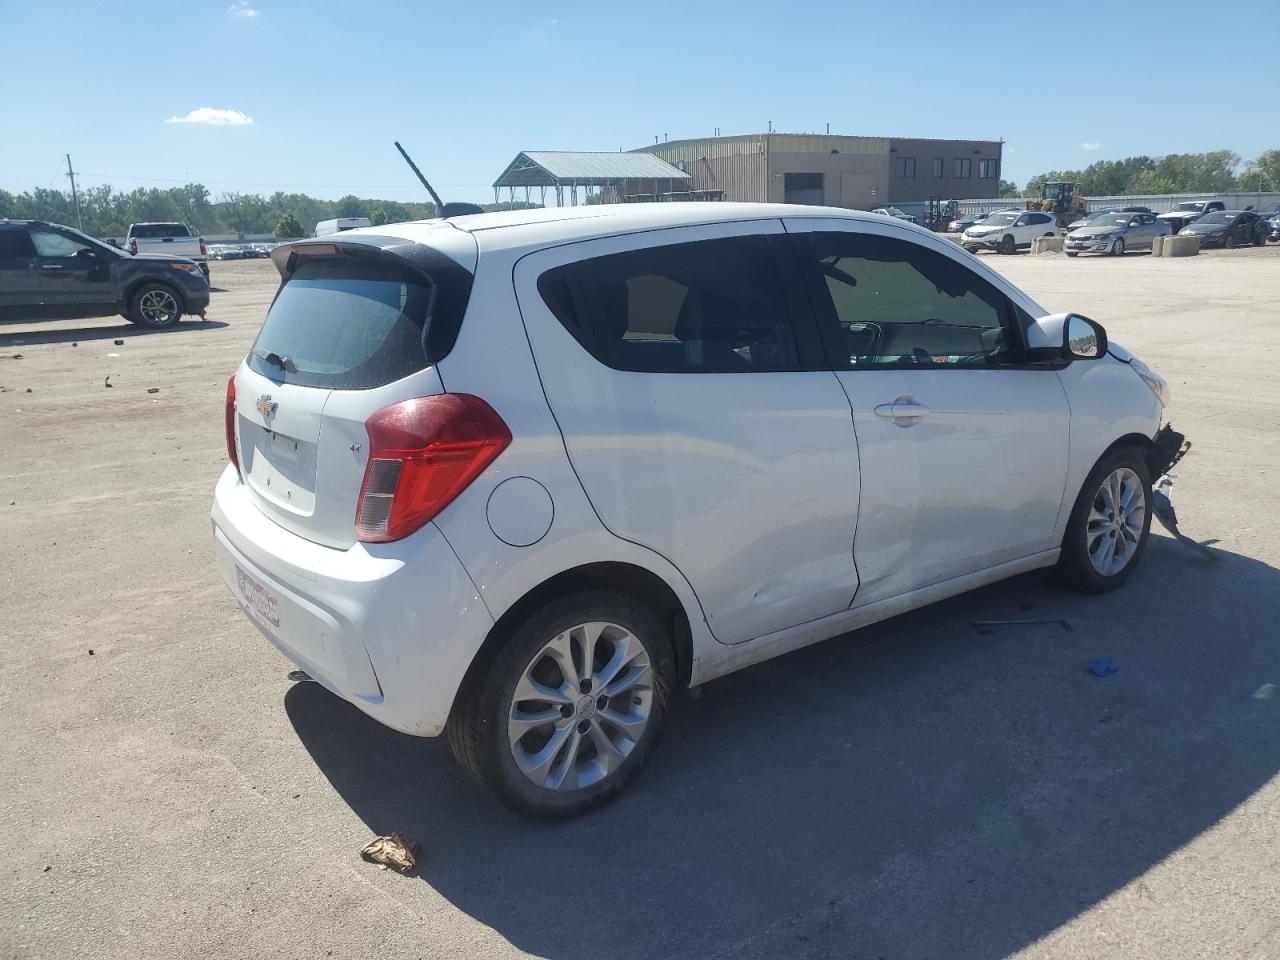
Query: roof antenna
<point>444,210</point>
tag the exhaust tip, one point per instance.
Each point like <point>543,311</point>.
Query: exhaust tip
<point>300,676</point>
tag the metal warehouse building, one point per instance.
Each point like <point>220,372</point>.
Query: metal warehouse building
<point>836,171</point>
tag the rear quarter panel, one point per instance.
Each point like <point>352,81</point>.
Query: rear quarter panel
<point>492,359</point>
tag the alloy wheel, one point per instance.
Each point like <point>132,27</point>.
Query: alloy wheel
<point>1117,517</point>
<point>581,706</point>
<point>1117,248</point>
<point>158,306</point>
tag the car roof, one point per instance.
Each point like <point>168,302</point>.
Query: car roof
<point>547,225</point>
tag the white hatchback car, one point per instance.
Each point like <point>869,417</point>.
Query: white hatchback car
<point>518,476</point>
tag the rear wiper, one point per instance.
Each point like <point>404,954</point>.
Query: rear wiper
<point>273,358</point>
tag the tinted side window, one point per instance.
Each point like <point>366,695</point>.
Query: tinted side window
<point>899,304</point>
<point>711,306</point>
<point>15,243</point>
<point>56,244</point>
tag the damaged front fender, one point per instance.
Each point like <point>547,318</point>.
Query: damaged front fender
<point>1167,448</point>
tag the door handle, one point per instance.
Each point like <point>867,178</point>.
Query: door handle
<point>50,266</point>
<point>904,411</point>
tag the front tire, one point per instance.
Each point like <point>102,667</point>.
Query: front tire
<point>563,712</point>
<point>1006,244</point>
<point>1117,248</point>
<point>156,306</point>
<point>1109,524</point>
<point>1069,254</point>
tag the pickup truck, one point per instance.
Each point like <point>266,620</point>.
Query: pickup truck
<point>171,239</point>
<point>1189,211</point>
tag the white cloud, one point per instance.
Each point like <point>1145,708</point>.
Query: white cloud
<point>1089,146</point>
<point>214,117</point>
<point>241,8</point>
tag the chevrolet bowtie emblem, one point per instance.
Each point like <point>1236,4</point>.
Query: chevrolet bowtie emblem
<point>266,406</point>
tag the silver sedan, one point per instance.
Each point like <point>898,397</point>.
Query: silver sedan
<point>1114,233</point>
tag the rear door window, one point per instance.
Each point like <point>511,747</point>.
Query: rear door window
<point>15,243</point>
<point>355,323</point>
<point>709,306</point>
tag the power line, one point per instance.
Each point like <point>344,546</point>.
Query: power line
<point>293,186</point>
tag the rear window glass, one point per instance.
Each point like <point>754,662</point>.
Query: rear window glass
<point>156,231</point>
<point>345,324</point>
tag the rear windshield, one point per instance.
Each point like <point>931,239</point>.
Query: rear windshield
<point>154,231</point>
<point>345,324</point>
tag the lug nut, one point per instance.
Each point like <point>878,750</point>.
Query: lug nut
<point>586,685</point>
<point>584,726</point>
<point>601,702</point>
<point>566,711</point>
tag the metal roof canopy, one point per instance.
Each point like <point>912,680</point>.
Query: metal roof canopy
<point>561,168</point>
<point>546,168</point>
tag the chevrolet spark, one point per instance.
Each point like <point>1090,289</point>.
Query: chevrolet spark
<point>515,478</point>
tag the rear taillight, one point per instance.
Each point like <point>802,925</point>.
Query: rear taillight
<point>133,248</point>
<point>422,454</point>
<point>204,251</point>
<point>231,423</point>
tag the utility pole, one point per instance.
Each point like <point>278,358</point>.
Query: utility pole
<point>74,194</point>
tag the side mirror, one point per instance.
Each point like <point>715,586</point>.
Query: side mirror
<point>1065,336</point>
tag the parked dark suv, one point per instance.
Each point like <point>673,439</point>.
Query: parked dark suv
<point>51,272</point>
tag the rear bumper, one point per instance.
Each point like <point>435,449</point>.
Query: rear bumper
<point>390,628</point>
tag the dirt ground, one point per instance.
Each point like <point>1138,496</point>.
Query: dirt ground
<point>917,789</point>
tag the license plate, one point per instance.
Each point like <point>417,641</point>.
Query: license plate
<point>258,599</point>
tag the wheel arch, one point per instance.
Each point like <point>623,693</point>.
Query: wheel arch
<point>636,581</point>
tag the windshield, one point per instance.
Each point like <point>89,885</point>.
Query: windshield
<point>1218,216</point>
<point>1000,219</point>
<point>1110,220</point>
<point>1187,207</point>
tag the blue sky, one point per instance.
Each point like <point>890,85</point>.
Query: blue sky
<point>465,86</point>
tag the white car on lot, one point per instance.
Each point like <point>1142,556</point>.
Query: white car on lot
<point>517,477</point>
<point>1008,230</point>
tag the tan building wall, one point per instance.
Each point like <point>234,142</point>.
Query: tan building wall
<point>949,186</point>
<point>857,172</point>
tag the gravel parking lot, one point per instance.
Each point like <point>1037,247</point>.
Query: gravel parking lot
<point>917,789</point>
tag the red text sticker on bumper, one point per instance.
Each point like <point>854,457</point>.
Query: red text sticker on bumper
<point>259,599</point>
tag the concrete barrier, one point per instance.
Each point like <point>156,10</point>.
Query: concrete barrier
<point>1181,246</point>
<point>1157,246</point>
<point>1047,245</point>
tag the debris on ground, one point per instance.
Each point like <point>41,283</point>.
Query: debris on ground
<point>1162,507</point>
<point>1102,667</point>
<point>91,652</point>
<point>153,389</point>
<point>1264,692</point>
<point>390,851</point>
<point>16,356</point>
<point>28,389</point>
<point>107,382</point>
<point>118,343</point>
<point>110,355</point>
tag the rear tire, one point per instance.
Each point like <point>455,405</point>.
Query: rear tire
<point>1106,536</point>
<point>575,748</point>
<point>1069,254</point>
<point>1228,242</point>
<point>1260,240</point>
<point>156,306</point>
<point>1006,244</point>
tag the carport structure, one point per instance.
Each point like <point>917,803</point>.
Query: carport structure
<point>612,176</point>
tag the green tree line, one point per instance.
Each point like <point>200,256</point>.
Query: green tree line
<point>1217,171</point>
<point>108,212</point>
